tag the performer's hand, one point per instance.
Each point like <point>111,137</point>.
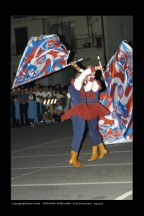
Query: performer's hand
<point>89,66</point>
<point>73,64</point>
<point>99,68</point>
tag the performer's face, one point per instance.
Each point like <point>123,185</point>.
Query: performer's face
<point>85,80</point>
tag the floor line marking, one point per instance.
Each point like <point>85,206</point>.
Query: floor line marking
<point>26,156</point>
<point>92,165</point>
<point>67,184</point>
<point>36,146</point>
<point>28,173</point>
<point>41,144</point>
<point>125,195</point>
<point>55,166</point>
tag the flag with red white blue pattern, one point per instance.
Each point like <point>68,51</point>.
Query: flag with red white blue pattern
<point>42,56</point>
<point>118,97</point>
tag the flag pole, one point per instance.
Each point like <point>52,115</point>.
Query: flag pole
<point>101,69</point>
<point>75,62</point>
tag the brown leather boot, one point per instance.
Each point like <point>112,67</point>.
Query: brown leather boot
<point>73,160</point>
<point>95,154</point>
<point>103,150</point>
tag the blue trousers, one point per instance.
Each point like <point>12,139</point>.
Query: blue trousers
<point>78,132</point>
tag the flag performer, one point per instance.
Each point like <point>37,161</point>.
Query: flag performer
<point>84,90</point>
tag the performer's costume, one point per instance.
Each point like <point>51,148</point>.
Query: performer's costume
<point>85,106</point>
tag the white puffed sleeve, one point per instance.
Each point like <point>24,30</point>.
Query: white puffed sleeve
<point>79,80</point>
<point>96,86</point>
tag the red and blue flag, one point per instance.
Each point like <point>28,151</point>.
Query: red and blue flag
<point>42,56</point>
<point>118,97</point>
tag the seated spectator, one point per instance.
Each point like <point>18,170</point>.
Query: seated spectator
<point>65,98</point>
<point>47,118</point>
<point>58,110</point>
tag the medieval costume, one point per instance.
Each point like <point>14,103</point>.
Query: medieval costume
<point>84,90</point>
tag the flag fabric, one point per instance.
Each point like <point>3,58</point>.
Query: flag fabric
<point>42,56</point>
<point>118,97</point>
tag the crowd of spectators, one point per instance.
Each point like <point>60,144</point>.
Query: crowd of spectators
<point>38,104</point>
